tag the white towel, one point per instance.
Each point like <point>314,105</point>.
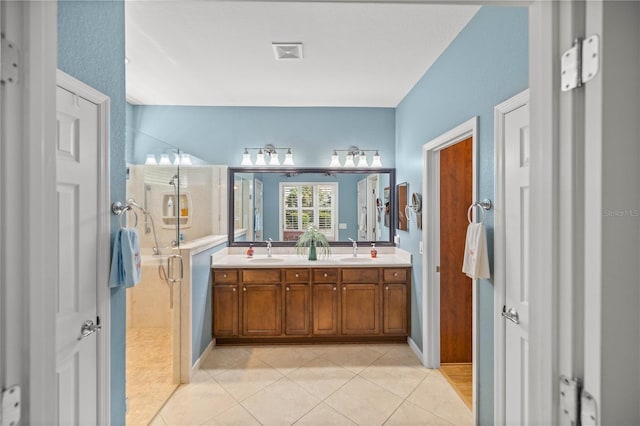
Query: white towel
<point>126,265</point>
<point>476,257</point>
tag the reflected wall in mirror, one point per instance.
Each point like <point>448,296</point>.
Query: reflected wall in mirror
<point>403,191</point>
<point>281,203</point>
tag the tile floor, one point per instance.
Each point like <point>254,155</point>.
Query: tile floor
<point>149,372</point>
<point>315,385</point>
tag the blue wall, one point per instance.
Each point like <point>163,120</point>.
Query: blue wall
<point>91,49</point>
<point>347,202</point>
<point>486,64</point>
<point>218,134</point>
<point>201,310</point>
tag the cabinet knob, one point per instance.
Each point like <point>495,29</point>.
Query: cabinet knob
<point>344,288</point>
<point>234,289</point>
<point>335,288</point>
<point>244,289</point>
<point>224,275</point>
<point>288,288</point>
<point>395,274</point>
<point>325,275</point>
<point>297,275</point>
<point>386,287</point>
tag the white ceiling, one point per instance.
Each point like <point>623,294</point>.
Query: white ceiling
<point>220,53</point>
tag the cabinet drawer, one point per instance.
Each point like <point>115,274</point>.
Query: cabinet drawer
<point>325,275</point>
<point>395,275</point>
<point>225,276</point>
<point>261,275</point>
<point>296,275</point>
<point>360,275</point>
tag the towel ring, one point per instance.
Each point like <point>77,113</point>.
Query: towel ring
<point>484,205</point>
<point>124,211</point>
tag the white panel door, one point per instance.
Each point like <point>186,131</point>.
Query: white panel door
<point>258,210</point>
<point>362,210</point>
<point>77,188</point>
<point>517,265</point>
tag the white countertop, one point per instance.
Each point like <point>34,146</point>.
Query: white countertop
<point>389,258</point>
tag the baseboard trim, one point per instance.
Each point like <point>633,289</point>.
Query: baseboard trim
<point>414,347</point>
<point>196,365</point>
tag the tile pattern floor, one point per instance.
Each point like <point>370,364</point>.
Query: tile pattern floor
<point>370,384</point>
<point>149,372</point>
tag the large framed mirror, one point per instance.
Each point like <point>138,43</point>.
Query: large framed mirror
<point>280,203</point>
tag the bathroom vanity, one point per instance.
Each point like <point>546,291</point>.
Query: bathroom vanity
<point>288,299</point>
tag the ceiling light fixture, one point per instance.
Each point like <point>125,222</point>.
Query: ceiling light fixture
<point>270,151</point>
<point>287,51</point>
<point>357,154</point>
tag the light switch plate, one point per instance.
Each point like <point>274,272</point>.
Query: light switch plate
<point>396,239</point>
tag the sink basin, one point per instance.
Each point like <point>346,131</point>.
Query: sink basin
<point>266,259</point>
<point>356,259</point>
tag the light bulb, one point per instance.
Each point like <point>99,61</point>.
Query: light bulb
<point>151,160</point>
<point>164,160</point>
<point>335,160</point>
<point>176,160</point>
<point>288,158</point>
<point>362,160</point>
<point>246,159</point>
<point>349,161</point>
<point>274,159</point>
<point>377,162</point>
<point>260,159</point>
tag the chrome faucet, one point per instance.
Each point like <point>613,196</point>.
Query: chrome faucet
<point>269,241</point>
<point>355,247</point>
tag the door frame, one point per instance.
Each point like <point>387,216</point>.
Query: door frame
<point>431,254</point>
<point>499,252</point>
<point>103,302</point>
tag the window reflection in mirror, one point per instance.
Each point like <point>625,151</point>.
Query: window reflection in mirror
<point>281,203</point>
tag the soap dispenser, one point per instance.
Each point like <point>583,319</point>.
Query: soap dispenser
<point>169,209</point>
<point>250,251</point>
<point>374,252</point>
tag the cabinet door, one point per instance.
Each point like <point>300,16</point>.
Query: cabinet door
<point>325,309</point>
<point>225,310</point>
<point>261,309</point>
<point>394,309</point>
<point>297,310</point>
<point>360,309</point>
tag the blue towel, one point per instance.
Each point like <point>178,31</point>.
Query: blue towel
<point>126,261</point>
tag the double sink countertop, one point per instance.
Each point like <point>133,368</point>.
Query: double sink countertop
<point>285,257</point>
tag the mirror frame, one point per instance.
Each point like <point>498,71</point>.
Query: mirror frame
<point>365,171</point>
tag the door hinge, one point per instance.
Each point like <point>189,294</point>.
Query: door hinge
<point>580,63</point>
<point>577,404</point>
<point>9,61</point>
<point>10,408</point>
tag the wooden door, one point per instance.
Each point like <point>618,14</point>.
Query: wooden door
<point>226,304</point>
<point>325,309</point>
<point>360,309</point>
<point>456,181</point>
<point>261,309</point>
<point>297,310</point>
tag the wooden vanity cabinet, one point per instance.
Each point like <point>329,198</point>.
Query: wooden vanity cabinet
<point>297,303</point>
<point>311,304</point>
<point>360,301</point>
<point>226,303</point>
<point>325,302</point>
<point>395,310</point>
<point>261,302</point>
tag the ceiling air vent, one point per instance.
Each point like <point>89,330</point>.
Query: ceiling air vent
<point>284,51</point>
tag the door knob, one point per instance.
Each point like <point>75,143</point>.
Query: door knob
<point>88,328</point>
<point>511,315</point>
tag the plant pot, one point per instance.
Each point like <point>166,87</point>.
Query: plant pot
<point>312,251</point>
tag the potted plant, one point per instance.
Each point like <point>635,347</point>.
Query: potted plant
<point>310,239</point>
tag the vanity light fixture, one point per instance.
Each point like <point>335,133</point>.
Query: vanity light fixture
<point>270,151</point>
<point>151,160</point>
<point>357,154</point>
<point>164,160</point>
